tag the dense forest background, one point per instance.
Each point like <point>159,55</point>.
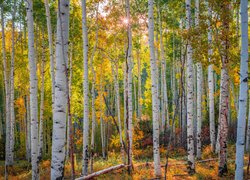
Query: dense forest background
<point>90,85</point>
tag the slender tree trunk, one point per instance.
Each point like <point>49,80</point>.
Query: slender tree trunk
<point>117,99</point>
<point>130,85</point>
<point>211,84</point>
<point>69,124</point>
<point>199,90</point>
<point>125,94</point>
<point>40,144</point>
<point>7,100</point>
<point>12,93</point>
<point>51,52</point>
<point>60,107</point>
<point>248,128</point>
<point>139,85</point>
<point>163,79</point>
<point>224,89</point>
<point>93,97</point>
<point>190,96</point>
<point>240,143</point>
<point>155,107</point>
<point>28,135</point>
<point>85,92</point>
<point>199,109</point>
<point>33,91</point>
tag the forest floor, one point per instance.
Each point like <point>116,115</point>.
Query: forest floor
<point>176,168</point>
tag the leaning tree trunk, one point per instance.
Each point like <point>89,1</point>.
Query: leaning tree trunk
<point>51,53</point>
<point>190,96</point>
<point>130,84</point>
<point>155,107</point>
<point>85,92</point>
<point>33,91</point>
<point>211,84</point>
<point>40,144</point>
<point>242,113</point>
<point>60,107</point>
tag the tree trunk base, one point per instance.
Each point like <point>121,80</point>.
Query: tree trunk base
<point>222,170</point>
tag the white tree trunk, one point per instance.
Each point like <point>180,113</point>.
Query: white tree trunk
<point>155,107</point>
<point>125,88</point>
<point>12,93</point>
<point>211,84</point>
<point>7,95</point>
<point>224,91</point>
<point>69,93</point>
<point>60,106</point>
<point>117,101</point>
<point>199,109</point>
<point>93,96</point>
<point>139,85</point>
<point>242,113</point>
<point>85,92</point>
<point>51,52</point>
<point>248,128</point>
<point>190,96</point>
<point>164,97</point>
<point>28,135</point>
<point>40,144</point>
<point>130,85</point>
<point>33,91</point>
<point>199,90</point>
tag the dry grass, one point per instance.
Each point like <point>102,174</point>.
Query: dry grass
<point>176,169</point>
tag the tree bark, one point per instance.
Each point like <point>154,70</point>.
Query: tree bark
<point>33,91</point>
<point>211,84</point>
<point>242,114</point>
<point>60,107</point>
<point>199,90</point>
<point>85,91</point>
<point>224,89</point>
<point>12,93</point>
<point>93,97</point>
<point>7,99</point>
<point>51,52</point>
<point>130,85</point>
<point>190,96</point>
<point>40,143</point>
<point>154,84</point>
<point>104,171</point>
